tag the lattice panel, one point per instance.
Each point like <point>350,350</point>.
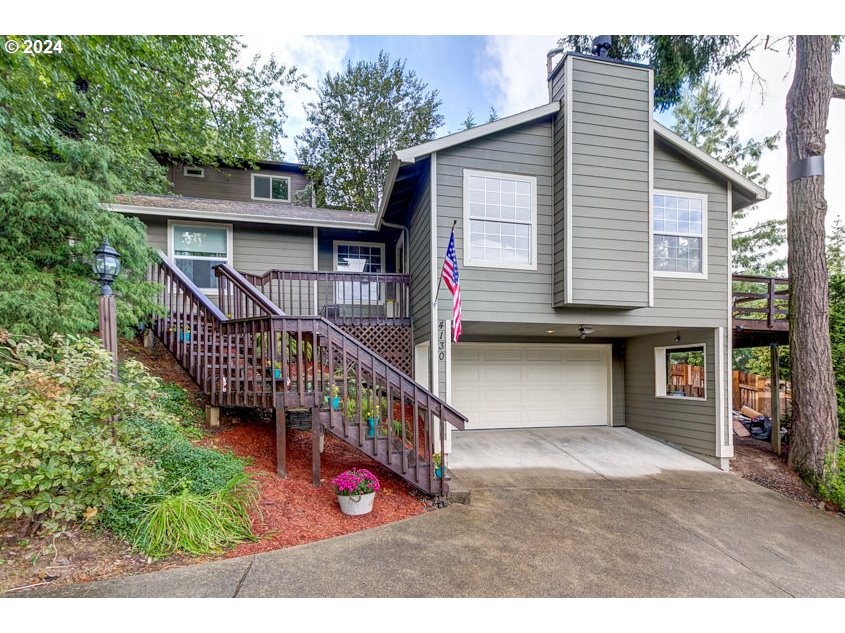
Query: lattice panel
<point>392,342</point>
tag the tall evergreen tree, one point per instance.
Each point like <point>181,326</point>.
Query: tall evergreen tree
<point>704,119</point>
<point>362,115</point>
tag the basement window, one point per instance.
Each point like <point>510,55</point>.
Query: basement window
<point>190,171</point>
<point>680,372</point>
<point>275,188</point>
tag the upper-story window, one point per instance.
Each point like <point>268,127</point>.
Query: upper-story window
<point>276,188</point>
<point>196,247</point>
<point>680,234</point>
<point>500,220</point>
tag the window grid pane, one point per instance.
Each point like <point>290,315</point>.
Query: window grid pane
<point>500,220</point>
<point>678,227</point>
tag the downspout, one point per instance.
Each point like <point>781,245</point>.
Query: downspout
<point>407,233</point>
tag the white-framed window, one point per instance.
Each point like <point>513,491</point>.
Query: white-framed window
<point>500,220</point>
<point>358,257</point>
<point>190,171</point>
<point>679,234</point>
<point>196,247</point>
<point>680,371</point>
<point>273,188</point>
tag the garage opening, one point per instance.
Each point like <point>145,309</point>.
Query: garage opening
<point>511,385</point>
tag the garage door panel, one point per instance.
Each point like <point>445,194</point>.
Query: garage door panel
<point>514,386</point>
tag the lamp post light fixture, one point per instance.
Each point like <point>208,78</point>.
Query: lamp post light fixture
<point>107,267</point>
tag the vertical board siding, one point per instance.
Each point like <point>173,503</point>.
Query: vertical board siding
<point>225,183</point>
<point>689,424</point>
<point>489,294</point>
<point>610,185</point>
<point>419,251</point>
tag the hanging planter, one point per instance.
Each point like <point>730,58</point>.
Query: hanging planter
<point>356,490</point>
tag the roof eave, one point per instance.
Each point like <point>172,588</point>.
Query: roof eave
<point>755,192</point>
<point>249,218</point>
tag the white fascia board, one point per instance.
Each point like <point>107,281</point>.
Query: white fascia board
<point>392,172</point>
<point>195,214</point>
<point>703,157</point>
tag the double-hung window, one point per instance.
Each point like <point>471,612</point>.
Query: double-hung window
<point>276,188</point>
<point>196,248</point>
<point>500,220</point>
<point>680,234</point>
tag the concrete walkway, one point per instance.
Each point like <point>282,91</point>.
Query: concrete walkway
<point>562,512</point>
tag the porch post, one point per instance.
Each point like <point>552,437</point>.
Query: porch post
<point>281,443</point>
<point>774,391</point>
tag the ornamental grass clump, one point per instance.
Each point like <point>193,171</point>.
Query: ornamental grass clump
<point>355,482</point>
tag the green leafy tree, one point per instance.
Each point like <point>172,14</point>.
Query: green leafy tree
<point>493,115</point>
<point>704,119</point>
<point>362,115</point>
<point>79,126</point>
<point>836,284</point>
<point>469,121</point>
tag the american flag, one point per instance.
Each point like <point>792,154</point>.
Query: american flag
<point>450,276</point>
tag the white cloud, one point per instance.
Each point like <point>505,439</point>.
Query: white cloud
<point>312,55</point>
<point>765,113</point>
<point>514,71</point>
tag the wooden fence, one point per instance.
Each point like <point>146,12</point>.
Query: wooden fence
<point>752,390</point>
<point>687,380</point>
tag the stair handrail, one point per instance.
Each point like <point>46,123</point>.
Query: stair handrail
<point>198,294</point>
<point>224,271</point>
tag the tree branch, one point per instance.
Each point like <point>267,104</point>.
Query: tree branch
<point>838,91</point>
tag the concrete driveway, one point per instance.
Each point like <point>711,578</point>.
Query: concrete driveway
<point>557,512</point>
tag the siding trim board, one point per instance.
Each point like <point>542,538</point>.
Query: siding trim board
<point>651,188</point>
<point>434,380</point>
<point>567,211</point>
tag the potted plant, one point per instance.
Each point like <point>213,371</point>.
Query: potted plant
<point>437,460</point>
<point>368,412</point>
<point>333,397</point>
<point>356,489</point>
<point>274,368</point>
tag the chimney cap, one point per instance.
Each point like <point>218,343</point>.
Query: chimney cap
<point>601,45</point>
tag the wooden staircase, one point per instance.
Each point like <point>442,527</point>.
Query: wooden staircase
<point>248,353</point>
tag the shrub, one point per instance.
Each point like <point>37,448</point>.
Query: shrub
<point>832,487</point>
<point>197,523</point>
<point>59,454</point>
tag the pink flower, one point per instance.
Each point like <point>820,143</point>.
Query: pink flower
<point>356,481</point>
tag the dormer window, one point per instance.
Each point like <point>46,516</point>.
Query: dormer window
<point>275,188</point>
<point>193,172</point>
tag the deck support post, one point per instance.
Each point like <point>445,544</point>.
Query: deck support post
<point>774,392</point>
<point>281,443</point>
<point>212,416</point>
<point>316,432</point>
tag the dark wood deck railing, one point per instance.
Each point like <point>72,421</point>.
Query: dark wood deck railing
<point>761,303</point>
<point>344,298</point>
<point>264,358</point>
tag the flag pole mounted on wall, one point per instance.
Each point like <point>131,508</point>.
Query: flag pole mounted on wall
<point>449,274</point>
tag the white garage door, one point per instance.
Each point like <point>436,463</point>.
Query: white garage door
<point>510,386</point>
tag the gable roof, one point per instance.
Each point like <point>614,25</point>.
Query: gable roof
<point>748,191</point>
<point>237,211</point>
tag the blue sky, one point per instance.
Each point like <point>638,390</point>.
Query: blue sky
<point>449,64</point>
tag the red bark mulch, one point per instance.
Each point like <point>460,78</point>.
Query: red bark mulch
<point>292,510</point>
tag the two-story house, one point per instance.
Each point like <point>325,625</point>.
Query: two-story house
<point>593,246</point>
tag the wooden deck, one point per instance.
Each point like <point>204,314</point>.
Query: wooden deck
<point>760,311</point>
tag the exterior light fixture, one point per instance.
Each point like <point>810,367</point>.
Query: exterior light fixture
<point>550,331</point>
<point>106,266</point>
<point>677,337</point>
<point>583,331</point>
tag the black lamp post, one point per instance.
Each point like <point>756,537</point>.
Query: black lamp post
<point>107,267</point>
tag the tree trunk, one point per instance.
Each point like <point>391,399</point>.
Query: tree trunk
<point>814,424</point>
